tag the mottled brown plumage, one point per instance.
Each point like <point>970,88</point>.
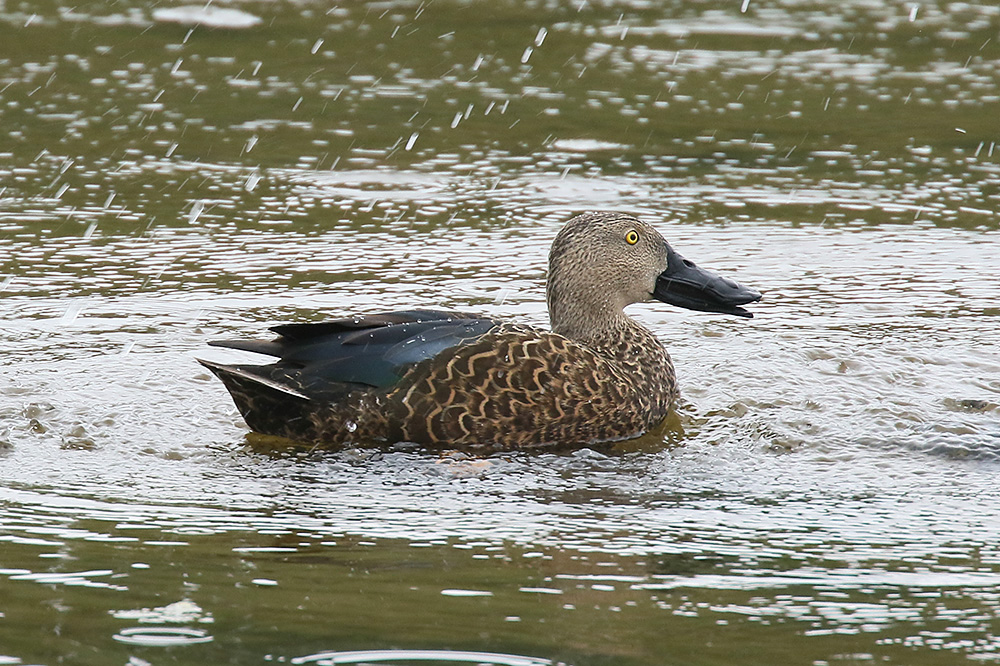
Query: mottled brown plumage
<point>448,379</point>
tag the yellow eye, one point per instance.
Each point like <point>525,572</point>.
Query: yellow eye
<point>632,237</point>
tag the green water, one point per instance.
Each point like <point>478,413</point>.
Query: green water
<point>828,493</point>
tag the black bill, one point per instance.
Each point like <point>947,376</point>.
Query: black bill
<point>685,285</point>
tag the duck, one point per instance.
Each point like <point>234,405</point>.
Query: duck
<point>454,380</point>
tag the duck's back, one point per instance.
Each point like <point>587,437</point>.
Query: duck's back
<point>446,379</point>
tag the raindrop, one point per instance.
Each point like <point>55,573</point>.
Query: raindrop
<point>196,210</point>
<point>526,54</point>
<point>317,45</point>
<point>107,202</point>
<point>476,65</point>
<point>252,181</point>
<point>540,37</point>
<point>62,190</point>
<point>90,230</point>
<point>351,426</point>
<point>72,312</point>
<point>412,140</point>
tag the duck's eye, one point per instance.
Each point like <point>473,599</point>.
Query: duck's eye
<point>632,237</point>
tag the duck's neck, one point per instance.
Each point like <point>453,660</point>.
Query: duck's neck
<point>590,326</point>
<point>597,322</point>
<point>581,316</point>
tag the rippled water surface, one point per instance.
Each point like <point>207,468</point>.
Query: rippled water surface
<point>827,493</point>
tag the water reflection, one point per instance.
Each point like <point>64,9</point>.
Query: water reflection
<point>834,576</point>
<point>408,656</point>
<point>162,636</point>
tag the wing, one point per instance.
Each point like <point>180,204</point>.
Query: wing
<point>324,360</point>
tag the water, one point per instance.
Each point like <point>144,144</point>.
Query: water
<point>827,493</point>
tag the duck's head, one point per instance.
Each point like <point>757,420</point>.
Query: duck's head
<point>601,262</point>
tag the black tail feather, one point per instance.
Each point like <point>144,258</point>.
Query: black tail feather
<point>266,405</point>
<point>266,347</point>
